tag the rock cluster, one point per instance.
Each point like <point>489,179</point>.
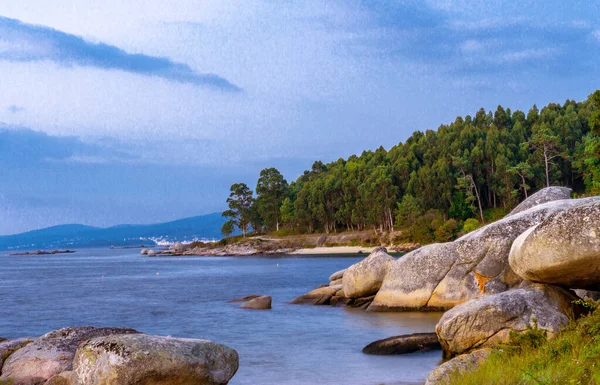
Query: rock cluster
<point>114,356</point>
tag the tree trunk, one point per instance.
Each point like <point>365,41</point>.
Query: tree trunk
<point>478,199</point>
<point>546,163</point>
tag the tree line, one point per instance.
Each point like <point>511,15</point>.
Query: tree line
<point>437,181</point>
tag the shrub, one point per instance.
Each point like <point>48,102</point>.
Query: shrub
<point>470,224</point>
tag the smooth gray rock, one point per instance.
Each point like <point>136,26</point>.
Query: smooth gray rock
<point>177,247</point>
<point>587,295</point>
<point>52,353</point>
<point>403,344</point>
<point>258,303</point>
<point>488,321</point>
<point>563,250</point>
<point>365,277</point>
<point>458,365</point>
<point>144,359</point>
<point>337,275</point>
<point>440,276</point>
<point>545,195</point>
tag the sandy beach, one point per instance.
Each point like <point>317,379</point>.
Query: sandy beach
<point>333,250</point>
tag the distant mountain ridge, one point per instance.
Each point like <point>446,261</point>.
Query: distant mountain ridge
<point>203,227</point>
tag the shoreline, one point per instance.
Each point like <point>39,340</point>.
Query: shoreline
<point>329,250</point>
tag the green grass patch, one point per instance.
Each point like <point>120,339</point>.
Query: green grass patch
<point>573,358</point>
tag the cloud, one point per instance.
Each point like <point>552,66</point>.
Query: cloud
<point>26,42</point>
<point>23,147</point>
<point>14,109</point>
<point>595,34</point>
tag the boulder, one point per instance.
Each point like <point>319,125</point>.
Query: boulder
<point>440,276</point>
<point>488,321</point>
<point>545,195</point>
<point>587,295</point>
<point>51,354</point>
<point>151,253</point>
<point>459,365</point>
<point>320,296</point>
<point>8,347</point>
<point>144,359</point>
<point>336,282</point>
<point>563,250</point>
<point>338,300</point>
<point>258,303</point>
<point>64,378</point>
<point>177,247</point>
<point>337,275</point>
<point>365,277</point>
<point>403,344</point>
<point>244,299</point>
<point>144,251</point>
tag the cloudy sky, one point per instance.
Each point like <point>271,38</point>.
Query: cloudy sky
<point>142,111</point>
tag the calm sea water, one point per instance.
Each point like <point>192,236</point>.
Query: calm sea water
<point>187,297</point>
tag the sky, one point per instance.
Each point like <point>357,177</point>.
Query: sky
<point>145,111</point>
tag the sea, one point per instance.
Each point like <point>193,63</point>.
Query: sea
<point>188,297</point>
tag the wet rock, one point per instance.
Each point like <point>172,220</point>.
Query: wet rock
<point>244,299</point>
<point>563,250</point>
<point>144,252</point>
<point>440,276</point>
<point>143,359</point>
<point>488,321</point>
<point>51,354</point>
<point>258,303</point>
<point>151,253</point>
<point>403,344</point>
<point>365,277</point>
<point>459,365</point>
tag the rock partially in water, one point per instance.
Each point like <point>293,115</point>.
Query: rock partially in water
<point>336,282</point>
<point>440,276</point>
<point>365,277</point>
<point>258,303</point>
<point>244,299</point>
<point>459,365</point>
<point>488,321</point>
<point>404,344</point>
<point>144,359</point>
<point>320,296</point>
<point>51,354</point>
<point>563,250</point>
<point>144,252</point>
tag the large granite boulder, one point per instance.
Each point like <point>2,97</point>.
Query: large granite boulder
<point>8,347</point>
<point>258,303</point>
<point>337,275</point>
<point>545,195</point>
<point>564,249</point>
<point>51,354</point>
<point>457,366</point>
<point>440,276</point>
<point>144,359</point>
<point>365,277</point>
<point>403,344</point>
<point>488,321</point>
<point>177,248</point>
<point>319,296</point>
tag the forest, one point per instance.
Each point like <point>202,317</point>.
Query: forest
<point>436,184</point>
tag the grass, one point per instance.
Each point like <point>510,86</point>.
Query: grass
<point>573,358</point>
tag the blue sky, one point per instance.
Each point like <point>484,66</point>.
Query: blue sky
<point>146,111</point>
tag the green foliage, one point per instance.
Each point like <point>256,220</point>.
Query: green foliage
<point>475,167</point>
<point>446,232</point>
<point>573,357</point>
<point>227,228</point>
<point>470,224</point>
<point>271,189</point>
<point>241,205</point>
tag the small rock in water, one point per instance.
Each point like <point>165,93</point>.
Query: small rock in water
<point>259,303</point>
<point>404,344</point>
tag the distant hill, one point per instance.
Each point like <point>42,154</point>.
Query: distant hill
<point>204,227</point>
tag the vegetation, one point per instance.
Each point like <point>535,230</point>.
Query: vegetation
<point>572,358</point>
<point>475,168</point>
